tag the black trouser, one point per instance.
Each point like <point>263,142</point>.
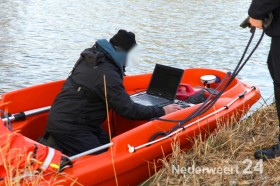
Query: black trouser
<point>75,143</point>
<point>274,69</point>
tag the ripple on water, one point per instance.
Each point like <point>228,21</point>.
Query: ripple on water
<point>41,40</point>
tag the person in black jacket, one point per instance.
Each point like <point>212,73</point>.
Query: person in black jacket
<point>76,116</point>
<point>259,10</point>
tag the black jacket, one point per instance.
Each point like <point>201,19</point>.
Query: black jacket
<point>80,106</point>
<point>260,9</point>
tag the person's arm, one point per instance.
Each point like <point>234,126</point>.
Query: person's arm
<point>120,101</point>
<point>260,9</point>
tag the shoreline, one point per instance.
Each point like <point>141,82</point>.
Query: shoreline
<point>226,158</point>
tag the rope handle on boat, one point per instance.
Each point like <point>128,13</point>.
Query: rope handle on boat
<point>133,149</point>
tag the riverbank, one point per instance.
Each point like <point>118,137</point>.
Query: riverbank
<point>226,158</point>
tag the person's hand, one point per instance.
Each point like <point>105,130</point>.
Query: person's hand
<point>171,108</point>
<point>256,23</point>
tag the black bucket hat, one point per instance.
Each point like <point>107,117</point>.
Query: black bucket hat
<point>124,40</point>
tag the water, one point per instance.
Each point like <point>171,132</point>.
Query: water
<point>41,40</point>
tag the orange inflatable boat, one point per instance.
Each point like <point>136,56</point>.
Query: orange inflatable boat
<point>131,156</point>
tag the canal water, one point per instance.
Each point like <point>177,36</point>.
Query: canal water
<point>41,40</point>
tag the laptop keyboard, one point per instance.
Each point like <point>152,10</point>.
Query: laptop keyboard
<point>149,100</point>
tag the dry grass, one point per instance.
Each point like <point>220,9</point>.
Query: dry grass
<point>20,172</point>
<point>25,176</point>
<point>227,149</point>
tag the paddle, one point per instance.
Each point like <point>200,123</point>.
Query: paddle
<point>23,115</point>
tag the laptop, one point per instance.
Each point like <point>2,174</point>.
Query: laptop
<point>162,88</point>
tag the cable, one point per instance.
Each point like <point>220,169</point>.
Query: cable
<point>207,105</point>
<point>235,73</point>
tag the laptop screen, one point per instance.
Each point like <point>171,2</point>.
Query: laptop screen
<point>165,81</point>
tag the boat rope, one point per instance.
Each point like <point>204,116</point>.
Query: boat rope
<point>133,149</point>
<point>207,105</point>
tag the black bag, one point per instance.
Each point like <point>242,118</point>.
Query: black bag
<point>197,98</point>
